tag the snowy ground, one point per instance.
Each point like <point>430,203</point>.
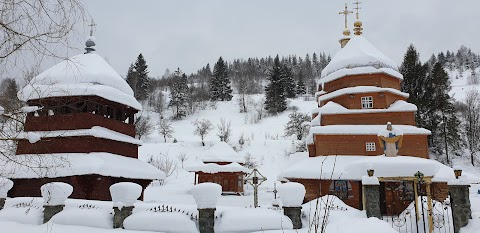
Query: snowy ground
<point>459,82</point>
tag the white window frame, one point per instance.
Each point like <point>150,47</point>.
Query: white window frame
<point>367,102</point>
<point>370,146</point>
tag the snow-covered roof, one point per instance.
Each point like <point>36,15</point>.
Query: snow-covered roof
<point>81,75</point>
<point>222,152</point>
<point>96,131</point>
<point>361,89</point>
<point>358,52</point>
<point>359,70</point>
<point>334,108</point>
<point>364,130</point>
<point>70,164</point>
<point>215,168</point>
<point>354,167</point>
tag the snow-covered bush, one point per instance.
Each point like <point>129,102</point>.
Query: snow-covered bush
<point>55,193</point>
<point>291,194</point>
<point>5,186</point>
<point>125,193</point>
<point>163,163</point>
<point>250,161</point>
<point>202,128</point>
<point>206,195</point>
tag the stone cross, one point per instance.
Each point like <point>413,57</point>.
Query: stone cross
<point>253,178</point>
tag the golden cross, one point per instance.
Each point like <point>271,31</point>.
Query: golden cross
<point>92,25</point>
<point>345,13</point>
<point>358,7</point>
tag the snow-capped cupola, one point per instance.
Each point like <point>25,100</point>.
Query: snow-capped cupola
<point>359,52</point>
<point>221,152</point>
<point>81,75</point>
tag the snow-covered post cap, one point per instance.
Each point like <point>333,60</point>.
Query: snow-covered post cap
<point>125,193</point>
<point>55,193</point>
<point>206,195</point>
<point>5,186</point>
<point>370,180</point>
<point>292,194</point>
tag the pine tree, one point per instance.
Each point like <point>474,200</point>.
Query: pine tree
<point>301,85</point>
<point>288,82</point>
<point>275,99</point>
<point>220,88</point>
<point>137,78</point>
<point>442,117</point>
<point>179,95</point>
<point>8,95</point>
<point>414,77</point>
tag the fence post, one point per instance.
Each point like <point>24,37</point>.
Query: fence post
<point>5,186</point>
<point>124,195</point>
<point>371,193</point>
<point>206,196</point>
<point>54,196</point>
<point>292,195</point>
<point>460,199</point>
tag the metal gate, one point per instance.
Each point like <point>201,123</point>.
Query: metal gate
<point>406,215</point>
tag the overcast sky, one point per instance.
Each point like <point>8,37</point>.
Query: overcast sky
<point>190,34</point>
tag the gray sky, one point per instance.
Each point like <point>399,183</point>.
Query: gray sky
<point>190,34</point>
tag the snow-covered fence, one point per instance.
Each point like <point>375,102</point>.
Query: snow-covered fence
<point>54,196</point>
<point>124,195</point>
<point>292,195</point>
<point>5,186</point>
<point>206,196</point>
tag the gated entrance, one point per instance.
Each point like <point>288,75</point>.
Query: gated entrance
<point>425,215</point>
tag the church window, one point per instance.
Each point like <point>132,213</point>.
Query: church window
<point>370,146</point>
<point>367,102</point>
<point>341,189</point>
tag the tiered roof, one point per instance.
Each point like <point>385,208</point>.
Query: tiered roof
<point>221,152</point>
<point>81,75</point>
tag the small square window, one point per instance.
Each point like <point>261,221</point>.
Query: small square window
<point>370,146</point>
<point>367,102</point>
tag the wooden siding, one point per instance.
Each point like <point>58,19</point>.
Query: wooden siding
<point>77,145</point>
<point>379,118</point>
<point>91,187</point>
<point>381,100</point>
<point>76,121</point>
<point>413,145</point>
<point>229,181</point>
<point>378,80</point>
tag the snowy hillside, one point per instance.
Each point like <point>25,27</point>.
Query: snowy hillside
<point>460,83</point>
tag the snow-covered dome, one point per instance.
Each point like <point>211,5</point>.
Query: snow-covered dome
<point>359,52</point>
<point>84,74</point>
<point>222,152</point>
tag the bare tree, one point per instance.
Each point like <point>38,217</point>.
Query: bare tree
<point>471,114</point>
<point>182,157</point>
<point>202,128</point>
<point>224,130</point>
<point>37,28</point>
<point>165,128</point>
<point>143,126</point>
<point>163,163</point>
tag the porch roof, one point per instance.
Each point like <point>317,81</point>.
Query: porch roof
<point>347,167</point>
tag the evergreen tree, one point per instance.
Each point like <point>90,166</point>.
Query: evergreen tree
<point>179,94</point>
<point>8,95</point>
<point>414,78</point>
<point>275,99</point>
<point>220,88</point>
<point>442,117</point>
<point>137,78</point>
<point>301,85</point>
<point>288,82</point>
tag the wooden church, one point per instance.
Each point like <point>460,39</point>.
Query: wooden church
<point>358,93</point>
<point>221,165</point>
<point>80,130</point>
